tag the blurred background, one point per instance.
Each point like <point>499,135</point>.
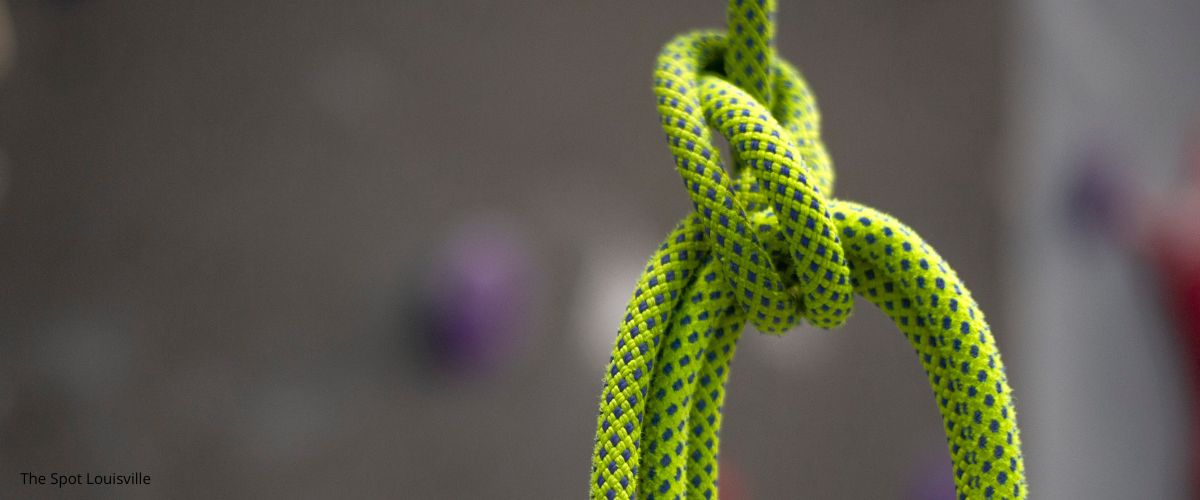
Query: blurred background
<point>380,249</point>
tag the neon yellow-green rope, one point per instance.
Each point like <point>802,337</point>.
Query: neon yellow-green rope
<point>770,248</point>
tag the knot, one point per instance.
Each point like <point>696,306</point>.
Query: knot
<point>777,211</point>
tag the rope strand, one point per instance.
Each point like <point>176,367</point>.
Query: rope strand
<point>751,54</point>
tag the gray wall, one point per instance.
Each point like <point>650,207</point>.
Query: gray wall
<point>1116,84</point>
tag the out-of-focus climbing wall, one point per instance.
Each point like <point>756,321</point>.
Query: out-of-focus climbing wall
<point>1105,107</point>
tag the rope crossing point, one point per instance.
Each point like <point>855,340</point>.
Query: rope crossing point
<point>770,247</point>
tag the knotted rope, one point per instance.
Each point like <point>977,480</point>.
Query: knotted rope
<point>772,247</point>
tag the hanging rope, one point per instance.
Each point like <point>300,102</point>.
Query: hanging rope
<point>771,247</point>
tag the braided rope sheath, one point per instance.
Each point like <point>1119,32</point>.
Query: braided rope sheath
<point>769,248</point>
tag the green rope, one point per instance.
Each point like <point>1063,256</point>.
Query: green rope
<point>770,248</point>
<point>750,57</point>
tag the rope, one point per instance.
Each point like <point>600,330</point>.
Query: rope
<point>769,248</point>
